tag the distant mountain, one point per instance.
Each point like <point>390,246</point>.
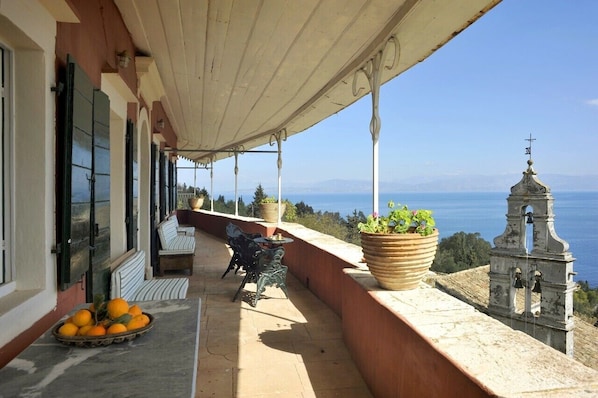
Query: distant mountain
<point>461,183</point>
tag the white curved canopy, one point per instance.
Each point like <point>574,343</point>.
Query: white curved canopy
<point>234,72</point>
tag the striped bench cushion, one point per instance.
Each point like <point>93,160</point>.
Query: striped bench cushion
<point>163,289</point>
<point>167,232</point>
<point>173,243</point>
<point>128,277</point>
<point>189,231</point>
<point>128,281</point>
<point>181,244</point>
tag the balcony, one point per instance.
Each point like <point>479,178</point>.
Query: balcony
<point>338,334</point>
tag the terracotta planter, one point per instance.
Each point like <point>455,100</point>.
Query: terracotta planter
<point>269,211</point>
<point>195,203</point>
<point>399,261</point>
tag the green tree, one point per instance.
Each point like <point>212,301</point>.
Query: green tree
<point>221,205</point>
<point>258,195</point>
<point>351,225</point>
<point>303,209</point>
<point>444,262</point>
<point>326,223</point>
<point>290,213</point>
<point>461,251</point>
<point>585,300</point>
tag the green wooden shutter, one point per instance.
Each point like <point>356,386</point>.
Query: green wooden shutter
<point>99,280</point>
<point>171,187</point>
<point>154,172</point>
<point>131,186</point>
<point>74,175</point>
<point>83,183</point>
<point>163,186</point>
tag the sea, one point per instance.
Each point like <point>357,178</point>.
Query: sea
<point>575,217</point>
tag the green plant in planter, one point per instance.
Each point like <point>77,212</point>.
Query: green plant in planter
<point>269,199</point>
<point>400,220</point>
<point>269,209</point>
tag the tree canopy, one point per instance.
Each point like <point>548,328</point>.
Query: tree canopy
<point>461,251</point>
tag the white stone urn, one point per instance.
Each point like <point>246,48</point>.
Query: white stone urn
<point>195,202</point>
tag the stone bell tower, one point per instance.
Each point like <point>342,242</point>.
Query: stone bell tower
<point>531,288</point>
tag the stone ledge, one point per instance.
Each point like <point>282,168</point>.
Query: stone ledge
<point>505,361</point>
<point>472,286</point>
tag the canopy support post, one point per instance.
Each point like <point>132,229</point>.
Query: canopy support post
<point>279,137</point>
<point>373,72</point>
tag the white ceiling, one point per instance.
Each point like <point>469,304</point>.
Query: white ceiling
<point>235,72</point>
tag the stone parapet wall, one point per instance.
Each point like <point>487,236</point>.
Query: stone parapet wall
<point>459,350</point>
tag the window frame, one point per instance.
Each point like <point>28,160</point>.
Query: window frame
<point>7,278</point>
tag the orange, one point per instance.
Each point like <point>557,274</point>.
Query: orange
<point>116,328</point>
<point>97,330</point>
<point>82,318</point>
<point>83,330</point>
<point>136,323</point>
<point>68,329</point>
<point>135,310</point>
<point>145,319</point>
<point>117,307</point>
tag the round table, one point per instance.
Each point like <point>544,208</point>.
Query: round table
<point>272,241</point>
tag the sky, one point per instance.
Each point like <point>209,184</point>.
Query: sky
<point>526,67</point>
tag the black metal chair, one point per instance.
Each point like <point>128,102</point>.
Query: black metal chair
<point>237,240</point>
<point>266,270</point>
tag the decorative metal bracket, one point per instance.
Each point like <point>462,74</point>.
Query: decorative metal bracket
<point>279,137</point>
<point>236,151</point>
<point>373,73</point>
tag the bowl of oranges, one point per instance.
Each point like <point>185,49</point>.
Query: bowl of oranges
<point>103,323</point>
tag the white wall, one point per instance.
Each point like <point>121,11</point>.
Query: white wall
<point>143,134</point>
<point>118,128</point>
<point>30,31</point>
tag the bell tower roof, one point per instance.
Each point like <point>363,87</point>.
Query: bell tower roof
<point>531,193</point>
<point>530,184</point>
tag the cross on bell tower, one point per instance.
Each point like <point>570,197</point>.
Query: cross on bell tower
<point>536,271</point>
<point>528,150</point>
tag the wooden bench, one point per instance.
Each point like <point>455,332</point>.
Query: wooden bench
<point>128,281</point>
<point>177,250</point>
<point>182,229</point>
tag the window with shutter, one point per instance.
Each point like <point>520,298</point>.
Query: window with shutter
<point>83,183</point>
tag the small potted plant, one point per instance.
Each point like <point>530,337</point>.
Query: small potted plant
<point>399,248</point>
<point>269,209</point>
